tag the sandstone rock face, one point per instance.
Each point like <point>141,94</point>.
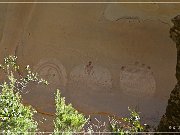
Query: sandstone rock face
<point>141,12</point>
<point>89,52</point>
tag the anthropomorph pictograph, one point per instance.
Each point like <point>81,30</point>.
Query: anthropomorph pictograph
<point>89,68</point>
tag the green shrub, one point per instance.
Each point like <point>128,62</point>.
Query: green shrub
<point>128,125</point>
<point>15,118</point>
<point>68,119</point>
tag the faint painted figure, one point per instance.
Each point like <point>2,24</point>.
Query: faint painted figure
<point>53,71</point>
<point>137,80</point>
<point>89,68</point>
<point>93,77</point>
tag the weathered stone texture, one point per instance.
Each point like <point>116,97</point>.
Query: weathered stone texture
<point>171,119</point>
<point>134,76</point>
<point>91,43</point>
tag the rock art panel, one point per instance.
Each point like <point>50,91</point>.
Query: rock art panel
<point>137,80</point>
<point>35,31</point>
<point>53,71</point>
<point>91,76</point>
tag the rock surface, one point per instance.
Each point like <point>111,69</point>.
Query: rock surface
<point>171,119</point>
<point>59,41</point>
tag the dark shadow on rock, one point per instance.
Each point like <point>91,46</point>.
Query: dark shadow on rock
<point>170,121</point>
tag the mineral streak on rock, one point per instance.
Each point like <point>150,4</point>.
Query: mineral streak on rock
<point>172,116</point>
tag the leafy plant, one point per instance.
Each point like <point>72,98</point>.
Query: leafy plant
<point>15,118</point>
<point>68,119</point>
<point>9,64</point>
<point>95,125</point>
<point>128,125</point>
